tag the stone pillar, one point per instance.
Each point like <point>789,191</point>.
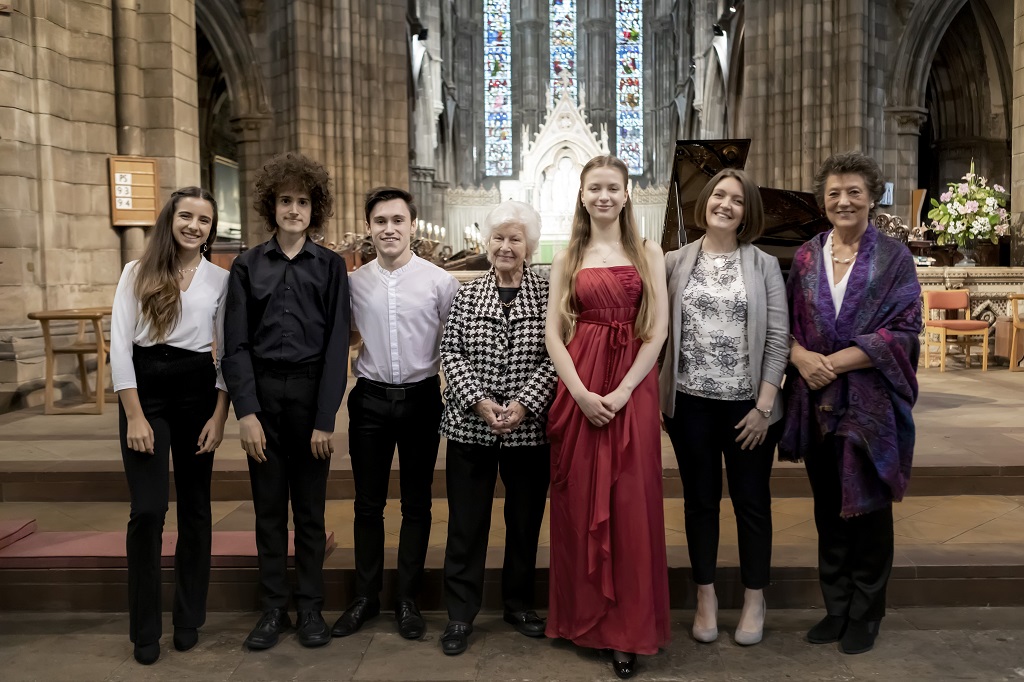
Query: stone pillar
<point>596,64</point>
<point>131,116</point>
<point>900,161</point>
<point>167,56</point>
<point>248,134</point>
<point>530,68</point>
<point>660,78</point>
<point>1017,138</point>
<point>469,117</point>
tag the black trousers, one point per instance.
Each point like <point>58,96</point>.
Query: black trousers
<point>702,431</point>
<point>178,394</point>
<point>855,554</point>
<point>406,416</point>
<point>287,394</point>
<point>471,472</point>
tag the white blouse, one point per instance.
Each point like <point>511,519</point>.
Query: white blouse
<point>200,327</point>
<point>838,289</point>
<point>714,356</point>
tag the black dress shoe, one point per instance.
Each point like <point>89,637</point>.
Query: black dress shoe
<point>146,654</point>
<point>455,639</point>
<point>526,622</point>
<point>357,613</point>
<point>829,629</point>
<point>267,631</point>
<point>410,622</point>
<point>312,629</point>
<point>859,636</point>
<point>185,638</point>
<point>625,669</point>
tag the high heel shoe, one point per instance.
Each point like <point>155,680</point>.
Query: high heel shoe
<point>752,637</point>
<point>706,635</point>
<point>625,669</point>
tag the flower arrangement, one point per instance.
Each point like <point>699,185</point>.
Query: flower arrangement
<point>970,211</point>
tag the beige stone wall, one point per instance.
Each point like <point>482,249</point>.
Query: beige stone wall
<point>57,117</point>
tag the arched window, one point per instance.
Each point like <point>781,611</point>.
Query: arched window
<point>562,41</point>
<point>629,107</point>
<point>497,88</point>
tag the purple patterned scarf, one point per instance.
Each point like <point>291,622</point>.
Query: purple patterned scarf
<point>868,410</point>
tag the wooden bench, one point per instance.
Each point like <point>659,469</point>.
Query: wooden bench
<point>80,347</point>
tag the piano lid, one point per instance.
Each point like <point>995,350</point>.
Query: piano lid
<point>791,217</point>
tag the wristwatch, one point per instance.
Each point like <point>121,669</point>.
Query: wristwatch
<point>767,414</point>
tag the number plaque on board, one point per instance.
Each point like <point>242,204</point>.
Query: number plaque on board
<point>134,186</point>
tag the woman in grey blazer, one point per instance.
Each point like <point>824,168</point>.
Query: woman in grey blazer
<point>726,354</point>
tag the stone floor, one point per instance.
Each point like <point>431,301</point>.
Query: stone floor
<point>915,645</point>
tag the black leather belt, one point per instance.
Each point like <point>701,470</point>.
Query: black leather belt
<point>396,392</point>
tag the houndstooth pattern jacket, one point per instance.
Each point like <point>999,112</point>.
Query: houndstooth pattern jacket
<point>486,356</point>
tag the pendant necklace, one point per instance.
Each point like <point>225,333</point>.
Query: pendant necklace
<point>610,253</point>
<point>720,259</point>
<point>186,271</point>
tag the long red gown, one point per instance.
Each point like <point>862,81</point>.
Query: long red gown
<point>609,573</point>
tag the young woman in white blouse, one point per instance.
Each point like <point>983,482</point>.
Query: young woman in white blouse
<point>728,345</point>
<point>167,323</point>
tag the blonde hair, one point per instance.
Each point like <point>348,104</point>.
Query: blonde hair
<point>631,242</point>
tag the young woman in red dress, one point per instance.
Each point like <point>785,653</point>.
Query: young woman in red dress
<point>607,320</point>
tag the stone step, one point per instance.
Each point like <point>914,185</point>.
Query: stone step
<point>981,575</point>
<point>104,481</point>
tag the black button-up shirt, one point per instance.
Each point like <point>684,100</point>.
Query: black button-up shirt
<point>287,310</point>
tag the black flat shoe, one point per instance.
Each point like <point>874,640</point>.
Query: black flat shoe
<point>859,637</point>
<point>625,669</point>
<point>312,629</point>
<point>268,629</point>
<point>455,639</point>
<point>185,638</point>
<point>526,622</point>
<point>355,616</point>
<point>146,654</point>
<point>410,622</point>
<point>829,629</point>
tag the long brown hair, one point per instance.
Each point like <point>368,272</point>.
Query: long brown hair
<point>156,280</point>
<point>631,242</point>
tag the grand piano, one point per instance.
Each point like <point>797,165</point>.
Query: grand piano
<point>791,217</point>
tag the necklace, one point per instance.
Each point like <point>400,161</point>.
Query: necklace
<point>611,252</point>
<point>509,304</point>
<point>840,261</point>
<point>186,271</point>
<point>720,259</point>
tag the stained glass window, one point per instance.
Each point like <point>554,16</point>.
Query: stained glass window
<point>497,87</point>
<point>562,37</point>
<point>629,108</point>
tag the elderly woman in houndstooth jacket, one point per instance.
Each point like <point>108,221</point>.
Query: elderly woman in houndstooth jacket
<point>500,385</point>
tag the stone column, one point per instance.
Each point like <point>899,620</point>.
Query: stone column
<point>248,134</point>
<point>900,161</point>
<point>131,115</point>
<point>1017,138</point>
<point>596,60</point>
<point>469,111</point>
<point>530,74</point>
<point>167,57</point>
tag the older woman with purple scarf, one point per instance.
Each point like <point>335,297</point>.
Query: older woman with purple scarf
<point>855,312</point>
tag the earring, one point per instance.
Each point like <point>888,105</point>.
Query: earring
<point>872,204</point>
<point>204,248</point>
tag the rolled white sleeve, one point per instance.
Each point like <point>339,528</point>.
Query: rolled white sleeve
<point>123,321</point>
<point>218,336</point>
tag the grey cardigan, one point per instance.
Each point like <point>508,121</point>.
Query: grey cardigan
<point>767,320</point>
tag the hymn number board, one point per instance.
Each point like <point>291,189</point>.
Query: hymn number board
<point>134,186</point>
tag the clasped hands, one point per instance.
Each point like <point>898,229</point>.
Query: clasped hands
<point>501,419</point>
<point>601,409</point>
<point>816,369</point>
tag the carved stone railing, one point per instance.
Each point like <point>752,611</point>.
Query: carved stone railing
<point>988,287</point>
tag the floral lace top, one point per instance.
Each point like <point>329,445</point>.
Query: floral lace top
<point>713,353</point>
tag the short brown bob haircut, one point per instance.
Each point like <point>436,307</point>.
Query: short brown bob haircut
<point>293,171</point>
<point>381,194</point>
<point>752,226</point>
<point>851,163</point>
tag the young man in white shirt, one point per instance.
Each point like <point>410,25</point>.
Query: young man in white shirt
<point>399,305</point>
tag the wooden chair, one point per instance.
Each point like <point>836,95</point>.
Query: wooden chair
<point>1018,326</point>
<point>962,329</point>
<point>80,347</point>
